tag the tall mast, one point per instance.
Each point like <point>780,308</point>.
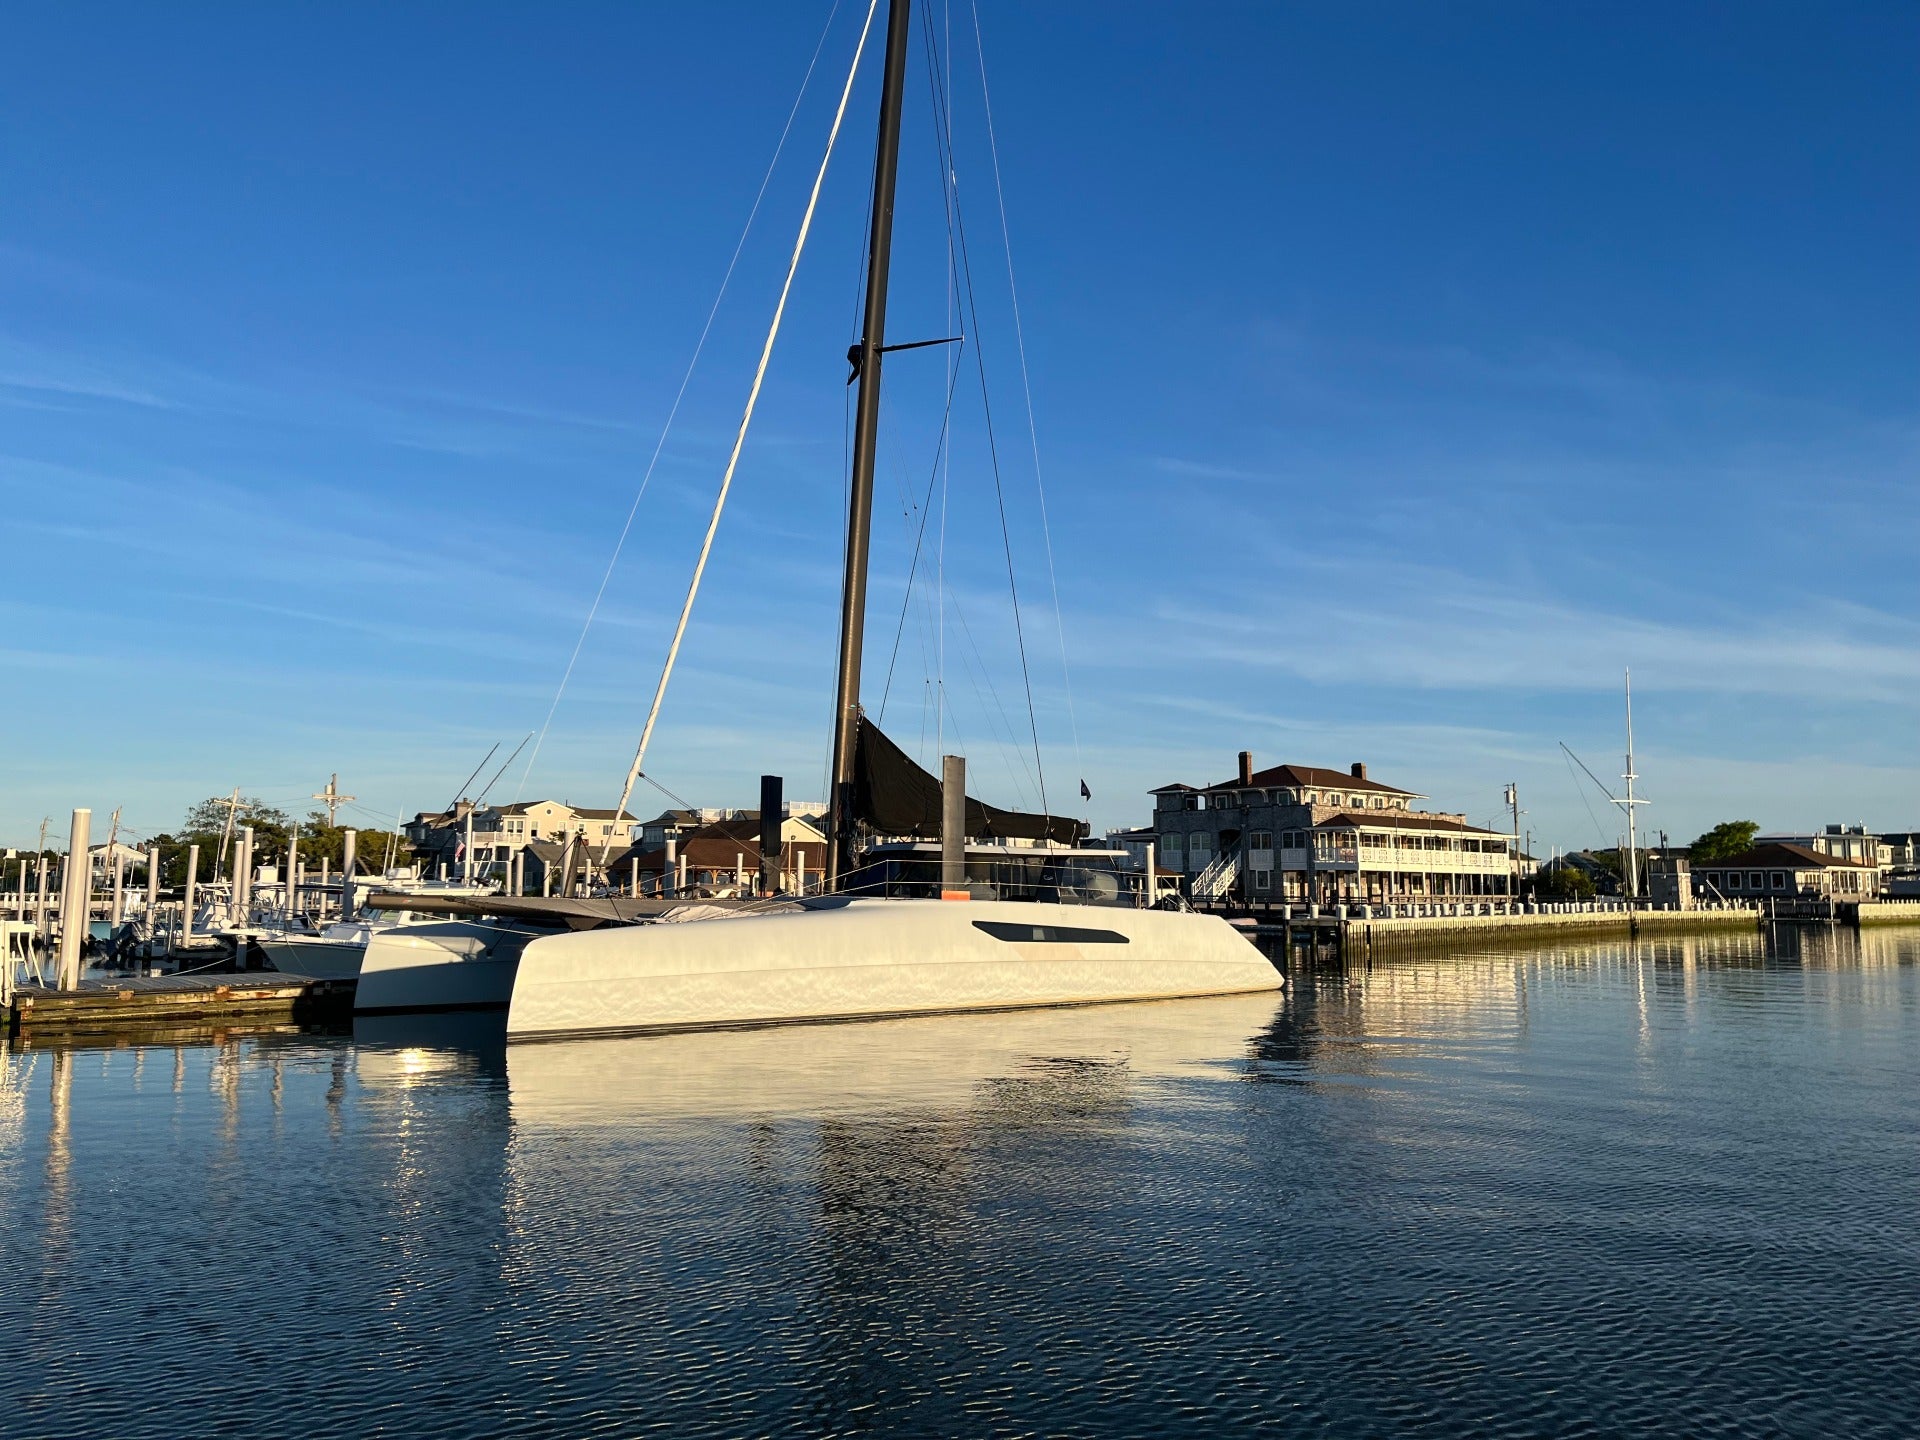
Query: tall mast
<point>1632,868</point>
<point>866,357</point>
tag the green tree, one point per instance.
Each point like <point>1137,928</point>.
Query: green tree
<point>1564,882</point>
<point>321,841</point>
<point>209,817</point>
<point>1725,840</point>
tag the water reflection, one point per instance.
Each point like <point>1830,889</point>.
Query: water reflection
<point>918,1064</point>
<point>1627,1186</point>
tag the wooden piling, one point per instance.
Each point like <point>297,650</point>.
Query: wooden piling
<point>186,902</point>
<point>74,894</point>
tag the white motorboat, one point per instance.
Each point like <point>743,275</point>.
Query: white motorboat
<point>338,951</point>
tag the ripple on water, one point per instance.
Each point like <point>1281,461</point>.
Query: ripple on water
<point>1602,1189</point>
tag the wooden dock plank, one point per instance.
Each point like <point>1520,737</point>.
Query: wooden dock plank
<point>176,1000</point>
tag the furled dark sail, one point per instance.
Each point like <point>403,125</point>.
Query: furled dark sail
<point>894,796</point>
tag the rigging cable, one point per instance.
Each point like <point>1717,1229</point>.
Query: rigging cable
<point>1026,385</point>
<point>700,345</point>
<point>957,228</point>
<point>1597,829</point>
<point>740,438</point>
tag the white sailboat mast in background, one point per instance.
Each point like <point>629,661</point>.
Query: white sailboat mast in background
<point>1631,867</point>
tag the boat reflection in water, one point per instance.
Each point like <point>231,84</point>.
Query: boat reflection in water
<point>912,1064</point>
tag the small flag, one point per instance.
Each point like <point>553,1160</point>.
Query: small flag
<point>1085,793</point>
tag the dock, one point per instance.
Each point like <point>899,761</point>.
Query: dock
<point>1344,927</point>
<point>111,1006</point>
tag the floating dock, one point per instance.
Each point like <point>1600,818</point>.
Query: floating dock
<point>108,1006</point>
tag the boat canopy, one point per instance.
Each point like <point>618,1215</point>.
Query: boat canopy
<point>894,796</point>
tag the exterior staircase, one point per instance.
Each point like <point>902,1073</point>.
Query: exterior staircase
<point>1220,876</point>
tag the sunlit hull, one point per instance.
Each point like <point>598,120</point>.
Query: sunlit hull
<point>455,965</point>
<point>865,958</point>
<point>316,959</point>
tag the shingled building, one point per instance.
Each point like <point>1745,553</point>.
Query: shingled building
<point>1302,834</point>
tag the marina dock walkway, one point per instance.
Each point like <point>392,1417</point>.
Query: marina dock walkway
<point>171,1001</point>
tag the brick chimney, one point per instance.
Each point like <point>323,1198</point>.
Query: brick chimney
<point>1246,767</point>
<point>1359,769</point>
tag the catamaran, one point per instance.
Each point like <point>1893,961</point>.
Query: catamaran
<point>857,952</point>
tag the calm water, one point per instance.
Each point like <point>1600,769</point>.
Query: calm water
<point>1595,1190</point>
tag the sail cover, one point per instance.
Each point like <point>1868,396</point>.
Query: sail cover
<point>894,796</point>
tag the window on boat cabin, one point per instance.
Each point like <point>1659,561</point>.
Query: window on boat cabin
<point>1779,879</point>
<point>1263,879</point>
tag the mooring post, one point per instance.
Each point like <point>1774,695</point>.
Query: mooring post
<point>73,898</point>
<point>243,879</point>
<point>669,876</point>
<point>349,853</point>
<point>953,828</point>
<point>186,893</point>
<point>771,804</point>
<point>40,921</point>
<point>293,874</point>
<point>153,888</point>
<point>119,887</point>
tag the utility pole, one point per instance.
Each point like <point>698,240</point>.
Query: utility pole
<point>333,799</point>
<point>1513,803</point>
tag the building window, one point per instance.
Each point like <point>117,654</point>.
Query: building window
<point>1199,851</point>
<point>1779,879</point>
<point>1260,840</point>
<point>1755,880</point>
<point>1263,879</point>
<point>1733,880</point>
<point>1312,799</point>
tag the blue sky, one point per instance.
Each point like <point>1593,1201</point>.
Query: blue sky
<point>1400,373</point>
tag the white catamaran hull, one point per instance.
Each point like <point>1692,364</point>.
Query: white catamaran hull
<point>457,965</point>
<point>863,958</point>
<point>316,959</point>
